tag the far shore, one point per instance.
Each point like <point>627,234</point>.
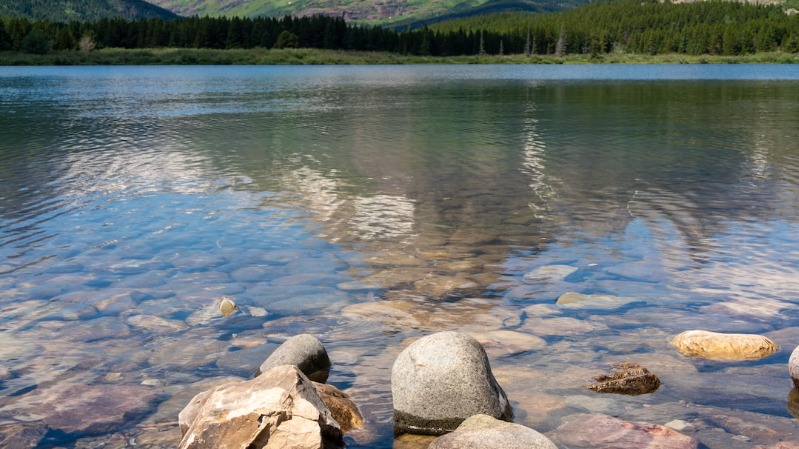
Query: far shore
<point>302,56</point>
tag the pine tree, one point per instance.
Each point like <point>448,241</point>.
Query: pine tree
<point>560,47</point>
<point>527,43</point>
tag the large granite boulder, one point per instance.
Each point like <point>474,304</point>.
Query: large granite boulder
<point>712,345</point>
<point>442,379</point>
<point>303,351</point>
<point>278,409</point>
<point>793,366</point>
<point>486,432</point>
<point>598,431</point>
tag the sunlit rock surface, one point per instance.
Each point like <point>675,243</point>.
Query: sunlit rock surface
<point>279,408</point>
<point>442,379</point>
<point>712,345</point>
<point>305,352</point>
<point>486,432</point>
<point>341,406</point>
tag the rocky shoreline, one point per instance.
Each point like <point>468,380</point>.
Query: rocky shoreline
<point>442,385</point>
<point>444,395</point>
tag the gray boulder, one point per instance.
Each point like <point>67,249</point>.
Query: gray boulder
<point>485,432</point>
<point>278,409</point>
<point>793,366</point>
<point>303,351</point>
<point>442,379</point>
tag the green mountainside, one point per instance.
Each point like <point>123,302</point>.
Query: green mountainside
<point>82,10</point>
<point>395,12</point>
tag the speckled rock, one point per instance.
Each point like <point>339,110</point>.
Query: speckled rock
<point>629,378</point>
<point>303,351</point>
<point>486,432</point>
<point>442,379</point>
<point>278,409</point>
<point>793,366</point>
<point>712,345</point>
<point>597,431</point>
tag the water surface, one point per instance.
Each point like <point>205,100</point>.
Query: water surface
<point>374,205</point>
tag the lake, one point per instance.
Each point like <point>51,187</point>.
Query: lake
<point>371,206</point>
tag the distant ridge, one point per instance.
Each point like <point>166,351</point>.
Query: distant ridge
<point>384,12</point>
<point>82,10</point>
<point>491,7</point>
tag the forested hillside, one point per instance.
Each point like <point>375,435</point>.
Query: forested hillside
<point>83,10</point>
<point>620,26</point>
<point>634,26</point>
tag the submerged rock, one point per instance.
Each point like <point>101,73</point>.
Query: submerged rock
<point>19,435</point>
<point>226,306</point>
<point>278,409</point>
<point>597,431</point>
<point>303,351</point>
<point>712,345</point>
<point>94,409</point>
<point>580,300</point>
<point>442,379</point>
<point>486,432</point>
<point>630,378</point>
<point>438,287</point>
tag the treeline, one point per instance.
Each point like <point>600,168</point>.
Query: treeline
<point>641,27</point>
<point>622,26</point>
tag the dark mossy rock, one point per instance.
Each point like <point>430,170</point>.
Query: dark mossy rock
<point>629,378</point>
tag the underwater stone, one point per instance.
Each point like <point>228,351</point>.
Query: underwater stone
<point>630,378</point>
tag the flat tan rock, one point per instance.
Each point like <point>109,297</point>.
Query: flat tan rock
<point>278,409</point>
<point>717,346</point>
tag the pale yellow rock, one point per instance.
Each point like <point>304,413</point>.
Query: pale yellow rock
<point>226,306</point>
<point>717,346</point>
<point>575,300</point>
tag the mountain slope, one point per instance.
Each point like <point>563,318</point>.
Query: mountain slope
<point>371,11</point>
<point>82,10</point>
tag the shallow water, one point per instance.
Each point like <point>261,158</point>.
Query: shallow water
<point>374,205</point>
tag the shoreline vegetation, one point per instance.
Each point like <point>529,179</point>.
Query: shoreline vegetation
<point>308,56</point>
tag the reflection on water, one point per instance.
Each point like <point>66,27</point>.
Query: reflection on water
<point>373,206</point>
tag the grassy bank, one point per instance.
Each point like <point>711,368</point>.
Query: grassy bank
<point>173,56</point>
